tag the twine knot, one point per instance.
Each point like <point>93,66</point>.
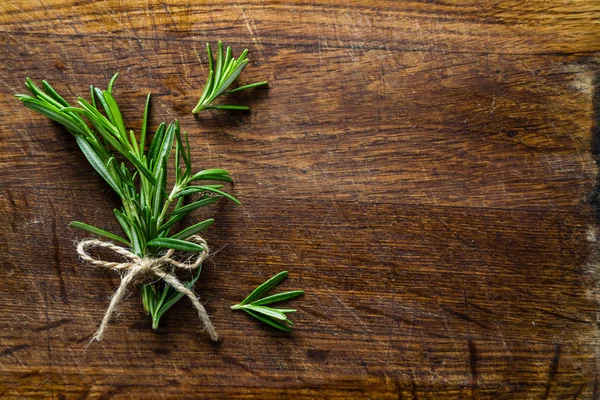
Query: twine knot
<point>138,270</point>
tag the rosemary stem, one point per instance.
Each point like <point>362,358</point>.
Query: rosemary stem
<point>155,321</point>
<point>198,108</point>
<point>168,202</point>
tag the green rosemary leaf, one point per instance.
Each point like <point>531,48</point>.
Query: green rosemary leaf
<point>213,171</point>
<point>278,297</point>
<point>123,221</point>
<point>100,96</point>
<point>266,286</point>
<point>156,141</point>
<point>144,125</point>
<point>269,321</point>
<point>165,292</point>
<point>52,93</point>
<point>98,165</point>
<point>134,144</point>
<point>227,107</point>
<point>245,87</point>
<point>228,60</point>
<point>136,238</point>
<point>146,298</point>
<point>269,312</point>
<point>165,149</point>
<point>182,151</point>
<point>158,200</point>
<point>115,114</point>
<point>92,96</point>
<point>219,67</point>
<point>188,153</point>
<point>211,174</point>
<point>111,83</point>
<point>197,204</point>
<point>150,299</point>
<point>223,178</point>
<point>177,159</point>
<point>199,189</point>
<point>152,226</point>
<point>177,244</point>
<point>210,58</point>
<point>98,231</point>
<point>73,110</point>
<point>229,80</point>
<point>192,230</point>
<point>205,92</point>
<point>242,56</point>
<point>189,190</point>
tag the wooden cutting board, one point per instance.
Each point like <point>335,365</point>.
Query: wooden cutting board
<point>426,171</point>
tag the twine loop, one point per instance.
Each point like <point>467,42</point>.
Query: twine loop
<point>139,270</point>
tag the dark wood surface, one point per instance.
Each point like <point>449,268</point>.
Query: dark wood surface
<point>425,171</point>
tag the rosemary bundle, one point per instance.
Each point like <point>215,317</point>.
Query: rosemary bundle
<point>136,168</point>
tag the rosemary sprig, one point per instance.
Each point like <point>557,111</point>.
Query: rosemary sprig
<point>276,317</point>
<point>220,76</point>
<point>149,211</point>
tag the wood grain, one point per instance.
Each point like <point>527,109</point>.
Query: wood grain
<point>426,171</point>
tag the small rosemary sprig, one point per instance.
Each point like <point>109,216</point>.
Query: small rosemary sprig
<point>221,76</point>
<point>149,211</point>
<point>276,317</point>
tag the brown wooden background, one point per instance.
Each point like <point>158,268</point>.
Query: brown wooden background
<point>424,169</point>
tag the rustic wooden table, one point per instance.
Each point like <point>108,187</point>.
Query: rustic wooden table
<point>425,170</point>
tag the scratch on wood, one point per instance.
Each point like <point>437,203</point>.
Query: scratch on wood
<point>553,370</point>
<point>473,369</point>
<point>169,14</point>
<point>49,340</point>
<point>251,28</point>
<point>11,350</point>
<point>53,325</point>
<point>37,388</point>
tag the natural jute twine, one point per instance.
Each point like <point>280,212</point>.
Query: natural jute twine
<point>138,270</point>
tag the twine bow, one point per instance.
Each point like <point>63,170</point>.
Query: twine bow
<point>138,269</point>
